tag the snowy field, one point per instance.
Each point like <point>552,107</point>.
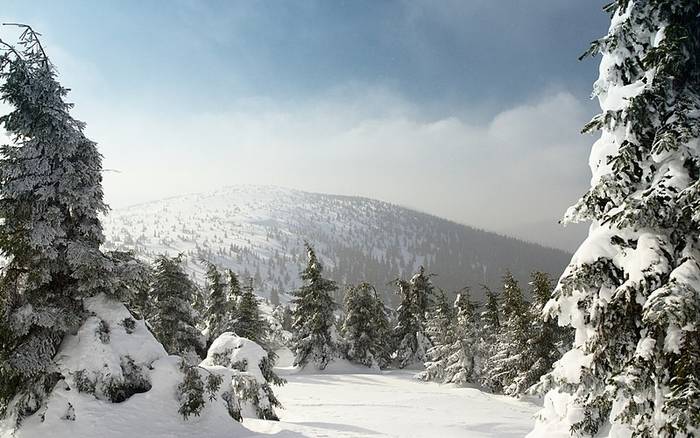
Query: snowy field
<point>390,404</point>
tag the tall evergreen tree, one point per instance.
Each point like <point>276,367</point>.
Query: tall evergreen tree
<point>384,335</point>
<point>508,361</point>
<point>461,362</point>
<point>313,316</point>
<point>217,304</point>
<point>411,339</point>
<point>50,233</point>
<point>440,330</point>
<point>174,321</point>
<point>364,324</point>
<point>488,341</point>
<point>632,289</point>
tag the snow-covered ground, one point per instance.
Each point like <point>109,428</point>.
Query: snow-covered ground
<point>348,403</point>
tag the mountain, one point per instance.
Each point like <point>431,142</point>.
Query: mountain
<point>258,231</point>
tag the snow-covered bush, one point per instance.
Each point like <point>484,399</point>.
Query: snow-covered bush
<point>251,374</point>
<point>127,385</point>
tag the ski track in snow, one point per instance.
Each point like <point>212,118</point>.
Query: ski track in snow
<point>390,404</point>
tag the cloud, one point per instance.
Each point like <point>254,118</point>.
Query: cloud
<point>524,165</point>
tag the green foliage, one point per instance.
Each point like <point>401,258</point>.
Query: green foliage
<point>217,304</point>
<point>249,323</point>
<point>410,337</point>
<point>174,319</point>
<point>50,233</point>
<point>190,391</point>
<point>313,316</point>
<point>633,293</point>
<point>365,326</point>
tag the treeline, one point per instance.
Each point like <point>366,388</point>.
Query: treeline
<point>504,344</point>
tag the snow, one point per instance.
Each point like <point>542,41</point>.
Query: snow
<point>347,402</point>
<point>237,349</point>
<point>569,366</point>
<point>153,413</point>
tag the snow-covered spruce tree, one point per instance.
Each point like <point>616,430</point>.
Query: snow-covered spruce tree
<point>252,378</point>
<point>174,320</point>
<point>632,290</point>
<point>440,331</point>
<point>217,304</point>
<point>133,282</point>
<point>507,361</point>
<point>234,294</point>
<point>313,316</point>
<point>545,345</point>
<point>382,324</point>
<point>422,289</point>
<point>461,361</point>
<point>488,340</point>
<point>411,340</point>
<point>362,327</point>
<point>50,233</point>
<point>249,324</point>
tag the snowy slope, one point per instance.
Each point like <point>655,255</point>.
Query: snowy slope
<point>259,231</point>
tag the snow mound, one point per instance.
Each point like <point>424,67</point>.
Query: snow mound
<point>118,381</point>
<point>248,372</point>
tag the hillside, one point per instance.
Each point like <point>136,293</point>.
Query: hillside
<point>259,231</point>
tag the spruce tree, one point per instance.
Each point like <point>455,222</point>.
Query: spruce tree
<point>313,316</point>
<point>385,347</point>
<point>462,358</point>
<point>217,304</point>
<point>488,340</point>
<point>410,335</point>
<point>249,324</point>
<point>174,321</point>
<point>234,294</point>
<point>440,331</point>
<point>544,346</point>
<point>133,285</point>
<point>363,327</point>
<point>50,233</point>
<point>631,290</point>
<point>508,359</point>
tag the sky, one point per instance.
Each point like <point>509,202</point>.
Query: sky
<point>466,109</point>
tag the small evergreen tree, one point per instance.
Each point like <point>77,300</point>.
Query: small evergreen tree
<point>362,326</point>
<point>313,316</point>
<point>234,294</point>
<point>133,286</point>
<point>174,320</point>
<point>249,324</point>
<point>217,308</point>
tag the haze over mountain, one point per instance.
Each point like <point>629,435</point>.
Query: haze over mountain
<point>258,231</point>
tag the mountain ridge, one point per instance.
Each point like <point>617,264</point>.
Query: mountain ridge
<point>258,231</point>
